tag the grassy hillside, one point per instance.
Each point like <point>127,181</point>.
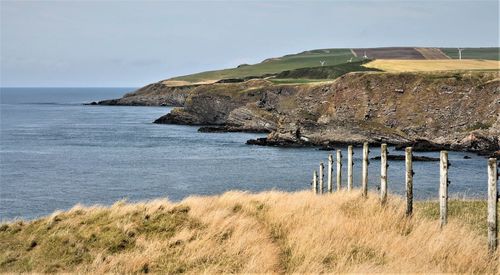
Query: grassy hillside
<point>309,59</point>
<point>325,72</point>
<point>474,53</point>
<point>241,232</point>
<point>275,65</point>
<point>433,65</point>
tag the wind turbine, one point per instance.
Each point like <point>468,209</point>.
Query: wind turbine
<point>322,62</point>
<point>365,56</point>
<point>460,53</point>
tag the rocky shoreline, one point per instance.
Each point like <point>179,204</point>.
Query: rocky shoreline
<point>417,147</point>
<point>231,129</point>
<point>398,109</point>
<point>403,158</point>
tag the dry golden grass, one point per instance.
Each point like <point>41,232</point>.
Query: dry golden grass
<point>178,83</point>
<point>237,232</point>
<point>432,65</point>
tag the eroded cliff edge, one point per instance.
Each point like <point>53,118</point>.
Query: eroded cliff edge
<point>457,111</point>
<point>156,94</point>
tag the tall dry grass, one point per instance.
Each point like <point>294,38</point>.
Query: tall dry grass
<point>397,65</point>
<point>237,232</point>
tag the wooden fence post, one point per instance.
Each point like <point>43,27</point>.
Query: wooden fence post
<point>492,204</point>
<point>330,171</point>
<point>321,175</point>
<point>315,182</point>
<point>339,170</point>
<point>383,173</point>
<point>349,168</point>
<point>364,176</point>
<point>409,181</point>
<point>443,188</point>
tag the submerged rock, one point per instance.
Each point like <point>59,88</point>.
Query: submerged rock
<point>402,158</point>
<point>277,143</point>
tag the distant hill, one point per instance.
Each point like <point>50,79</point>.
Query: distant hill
<point>332,57</point>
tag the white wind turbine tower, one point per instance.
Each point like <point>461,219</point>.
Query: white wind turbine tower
<point>365,56</point>
<point>460,53</point>
<point>322,62</point>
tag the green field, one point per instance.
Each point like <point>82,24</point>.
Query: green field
<point>276,65</point>
<point>474,53</point>
<point>325,72</point>
<point>310,59</point>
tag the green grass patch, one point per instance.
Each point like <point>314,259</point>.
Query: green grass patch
<point>469,212</point>
<point>474,53</point>
<point>326,72</point>
<point>479,126</point>
<point>70,239</point>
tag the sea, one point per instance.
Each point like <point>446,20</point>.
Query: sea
<point>56,152</point>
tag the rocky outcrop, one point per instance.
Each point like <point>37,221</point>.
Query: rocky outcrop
<point>230,128</point>
<point>479,142</point>
<point>428,111</point>
<point>455,111</point>
<point>231,104</point>
<point>156,94</point>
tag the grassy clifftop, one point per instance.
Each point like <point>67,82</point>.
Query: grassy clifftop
<point>275,65</point>
<point>331,57</point>
<point>241,232</point>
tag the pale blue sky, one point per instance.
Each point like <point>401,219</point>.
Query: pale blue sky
<point>133,43</point>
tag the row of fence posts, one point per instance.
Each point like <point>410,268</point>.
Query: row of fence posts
<point>443,183</point>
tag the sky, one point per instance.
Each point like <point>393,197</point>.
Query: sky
<point>134,43</point>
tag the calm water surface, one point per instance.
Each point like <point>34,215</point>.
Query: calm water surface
<point>56,152</point>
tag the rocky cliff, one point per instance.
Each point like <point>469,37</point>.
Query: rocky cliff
<point>458,111</point>
<point>431,111</point>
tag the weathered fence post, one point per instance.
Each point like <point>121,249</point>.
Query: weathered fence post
<point>364,176</point>
<point>330,171</point>
<point>409,181</point>
<point>492,204</point>
<point>315,182</point>
<point>383,173</point>
<point>339,170</point>
<point>349,168</point>
<point>321,175</point>
<point>443,188</point>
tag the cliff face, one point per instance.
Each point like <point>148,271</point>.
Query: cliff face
<point>156,94</point>
<point>229,104</point>
<point>449,110</point>
<point>460,111</point>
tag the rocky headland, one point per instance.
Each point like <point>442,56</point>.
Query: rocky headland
<point>429,111</point>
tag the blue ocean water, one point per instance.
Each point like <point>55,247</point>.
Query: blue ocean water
<point>56,152</point>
